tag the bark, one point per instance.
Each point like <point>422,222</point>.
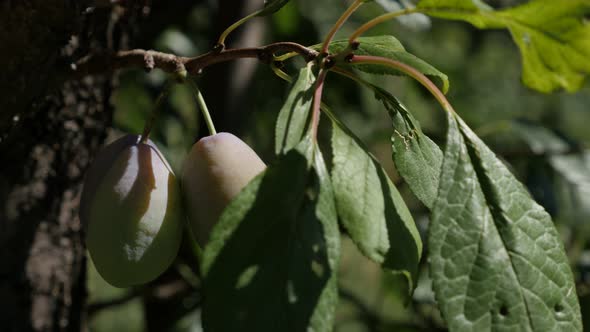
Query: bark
<point>49,131</point>
<point>33,33</point>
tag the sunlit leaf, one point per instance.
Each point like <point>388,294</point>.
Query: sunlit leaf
<point>417,158</point>
<point>371,208</point>
<point>389,47</point>
<point>293,116</point>
<point>553,36</point>
<point>496,259</point>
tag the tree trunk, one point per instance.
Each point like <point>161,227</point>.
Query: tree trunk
<point>49,130</point>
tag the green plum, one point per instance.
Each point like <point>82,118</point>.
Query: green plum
<point>215,171</point>
<point>131,206</point>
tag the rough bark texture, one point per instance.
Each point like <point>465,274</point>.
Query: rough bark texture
<point>42,249</point>
<point>49,130</point>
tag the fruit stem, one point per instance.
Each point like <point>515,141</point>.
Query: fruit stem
<point>226,32</point>
<point>408,70</point>
<point>351,9</point>
<point>281,73</point>
<point>149,124</point>
<point>203,107</point>
<point>378,20</point>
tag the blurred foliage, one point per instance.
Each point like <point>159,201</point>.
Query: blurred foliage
<point>125,317</point>
<point>544,138</point>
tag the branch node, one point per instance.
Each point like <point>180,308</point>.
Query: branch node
<point>328,62</point>
<point>310,56</point>
<point>218,48</point>
<point>180,72</point>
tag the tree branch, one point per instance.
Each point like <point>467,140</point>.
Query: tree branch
<point>148,60</point>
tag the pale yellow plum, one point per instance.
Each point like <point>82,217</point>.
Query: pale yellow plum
<point>216,169</point>
<point>131,206</point>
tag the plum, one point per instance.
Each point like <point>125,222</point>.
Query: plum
<point>214,172</point>
<point>131,207</point>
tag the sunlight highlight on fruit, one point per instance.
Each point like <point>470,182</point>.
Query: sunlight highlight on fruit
<point>214,172</point>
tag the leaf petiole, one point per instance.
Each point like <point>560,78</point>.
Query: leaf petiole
<point>408,70</point>
<point>280,73</point>
<point>226,32</point>
<point>317,100</point>
<point>378,20</point>
<point>353,7</point>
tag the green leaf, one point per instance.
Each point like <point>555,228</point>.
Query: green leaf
<point>527,231</point>
<point>389,47</point>
<point>495,257</point>
<point>371,209</point>
<point>293,116</point>
<point>417,158</point>
<point>272,6</point>
<point>323,317</point>
<point>454,9</point>
<point>553,36</point>
<point>271,261</point>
